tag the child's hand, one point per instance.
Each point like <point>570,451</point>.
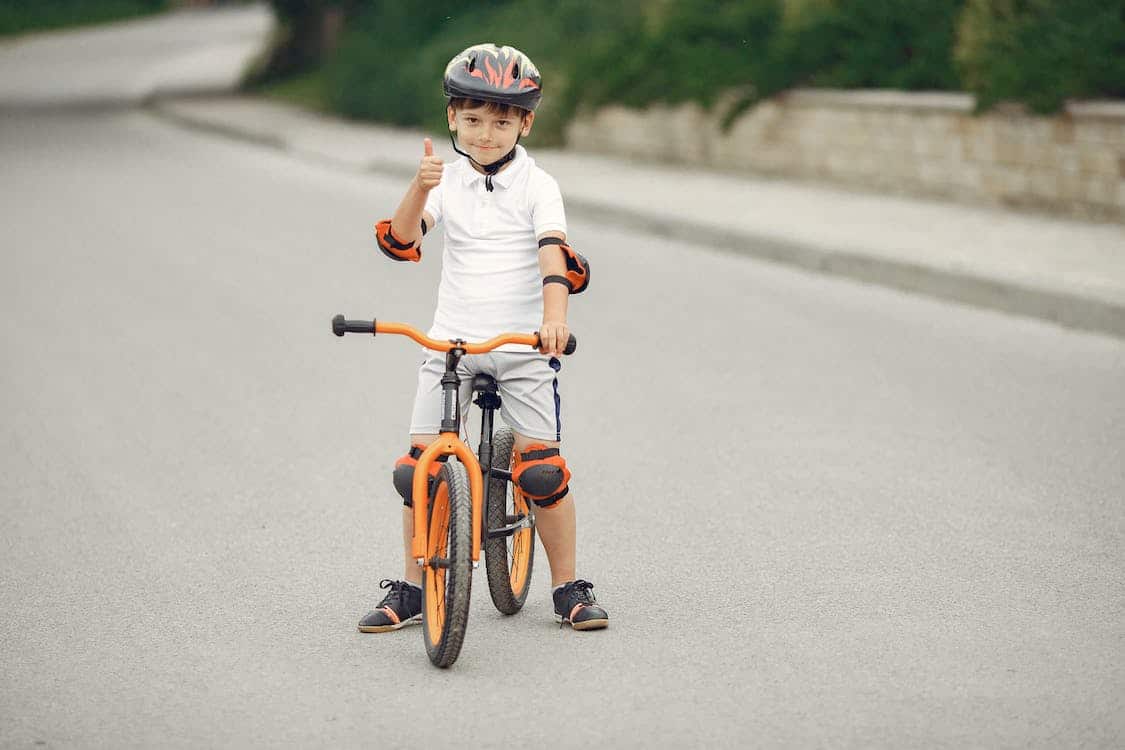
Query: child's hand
<point>429,171</point>
<point>553,338</point>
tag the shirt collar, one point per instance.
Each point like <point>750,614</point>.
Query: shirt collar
<point>503,178</point>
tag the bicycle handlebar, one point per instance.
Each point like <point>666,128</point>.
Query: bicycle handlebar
<point>340,326</point>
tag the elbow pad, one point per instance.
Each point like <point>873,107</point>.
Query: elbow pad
<point>577,267</point>
<point>392,246</point>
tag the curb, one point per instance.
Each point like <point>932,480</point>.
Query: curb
<point>227,130</point>
<point>1060,307</point>
<point>1069,310</point>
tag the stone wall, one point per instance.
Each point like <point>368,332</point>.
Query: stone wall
<point>927,144</point>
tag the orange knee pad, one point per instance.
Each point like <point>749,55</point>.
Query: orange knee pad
<point>541,475</point>
<point>403,476</point>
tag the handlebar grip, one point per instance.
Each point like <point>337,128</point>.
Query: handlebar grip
<point>341,326</point>
<point>571,343</point>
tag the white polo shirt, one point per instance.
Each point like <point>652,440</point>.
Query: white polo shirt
<point>490,279</point>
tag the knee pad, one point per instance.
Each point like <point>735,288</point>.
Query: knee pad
<point>541,475</point>
<point>403,476</point>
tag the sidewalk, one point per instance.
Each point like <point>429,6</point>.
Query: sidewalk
<point>1066,271</point>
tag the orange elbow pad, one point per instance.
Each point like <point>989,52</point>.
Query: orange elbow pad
<point>392,246</point>
<point>577,267</point>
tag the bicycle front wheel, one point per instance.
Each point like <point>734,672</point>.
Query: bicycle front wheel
<point>447,576</point>
<point>507,559</point>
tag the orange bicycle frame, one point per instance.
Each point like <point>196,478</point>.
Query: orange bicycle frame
<point>449,441</point>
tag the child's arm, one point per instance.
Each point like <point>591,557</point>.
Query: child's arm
<point>554,332</point>
<point>404,240</point>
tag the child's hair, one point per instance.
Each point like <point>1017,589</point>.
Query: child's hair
<point>493,108</point>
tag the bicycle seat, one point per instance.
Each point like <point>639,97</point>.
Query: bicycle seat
<point>484,383</point>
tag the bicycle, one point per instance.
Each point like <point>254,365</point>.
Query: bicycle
<point>454,516</point>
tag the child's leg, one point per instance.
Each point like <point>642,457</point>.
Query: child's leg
<point>531,405</point>
<point>411,571</point>
<point>402,605</point>
<point>573,600</point>
<point>556,527</point>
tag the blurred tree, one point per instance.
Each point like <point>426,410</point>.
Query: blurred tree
<point>307,31</point>
<point>390,62</point>
<point>382,68</point>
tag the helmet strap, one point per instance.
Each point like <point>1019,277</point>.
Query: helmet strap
<point>488,169</point>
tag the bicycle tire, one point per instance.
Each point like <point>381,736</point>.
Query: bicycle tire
<point>507,560</point>
<point>446,590</point>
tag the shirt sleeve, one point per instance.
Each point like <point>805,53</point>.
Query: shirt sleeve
<point>547,212</point>
<point>433,203</point>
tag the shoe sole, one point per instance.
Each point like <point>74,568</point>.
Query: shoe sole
<point>597,624</point>
<point>416,620</point>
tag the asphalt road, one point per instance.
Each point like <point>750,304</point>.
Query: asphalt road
<point>819,513</point>
<point>189,51</point>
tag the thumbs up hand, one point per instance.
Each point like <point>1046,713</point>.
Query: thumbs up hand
<point>429,170</point>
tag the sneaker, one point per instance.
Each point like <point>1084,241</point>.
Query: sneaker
<point>575,604</point>
<point>401,606</point>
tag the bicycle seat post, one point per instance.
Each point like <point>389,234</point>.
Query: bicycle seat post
<point>450,386</point>
<point>489,401</point>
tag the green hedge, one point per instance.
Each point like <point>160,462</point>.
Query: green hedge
<point>1042,52</point>
<point>690,51</point>
<point>19,16</point>
<point>592,53</point>
<point>870,44</point>
<point>388,65</point>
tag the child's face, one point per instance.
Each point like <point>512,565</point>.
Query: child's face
<point>488,136</point>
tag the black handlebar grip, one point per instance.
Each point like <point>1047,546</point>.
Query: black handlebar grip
<point>341,326</point>
<point>571,343</point>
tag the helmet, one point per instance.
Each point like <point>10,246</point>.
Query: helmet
<point>503,75</point>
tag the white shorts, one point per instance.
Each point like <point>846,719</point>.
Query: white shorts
<point>528,384</point>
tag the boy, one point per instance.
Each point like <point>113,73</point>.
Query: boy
<point>506,267</point>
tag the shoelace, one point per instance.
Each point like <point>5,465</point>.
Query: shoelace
<point>580,589</point>
<point>396,594</point>
<point>578,593</point>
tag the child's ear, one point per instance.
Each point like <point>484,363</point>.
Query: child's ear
<point>527,120</point>
<point>451,116</point>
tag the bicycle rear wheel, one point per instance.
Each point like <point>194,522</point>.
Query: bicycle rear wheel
<point>508,559</point>
<point>447,577</point>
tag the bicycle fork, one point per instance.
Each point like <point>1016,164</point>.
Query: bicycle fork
<point>448,443</point>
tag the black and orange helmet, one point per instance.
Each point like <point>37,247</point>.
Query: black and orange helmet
<point>503,75</point>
